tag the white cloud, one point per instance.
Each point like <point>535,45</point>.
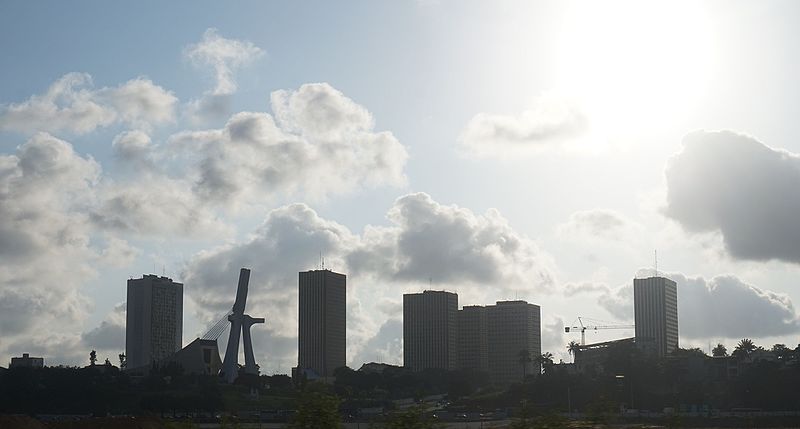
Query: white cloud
<point>224,55</point>
<point>72,104</point>
<point>551,123</point>
<point>472,254</point>
<point>731,183</point>
<point>321,144</point>
<point>451,245</point>
<point>723,306</point>
<point>599,224</point>
<point>45,250</point>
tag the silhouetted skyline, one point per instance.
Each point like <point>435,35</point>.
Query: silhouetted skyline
<point>536,151</point>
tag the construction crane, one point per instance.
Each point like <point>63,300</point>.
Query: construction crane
<point>583,329</point>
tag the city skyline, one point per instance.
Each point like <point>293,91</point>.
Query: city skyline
<point>536,151</point>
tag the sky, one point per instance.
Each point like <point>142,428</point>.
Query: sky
<point>543,151</point>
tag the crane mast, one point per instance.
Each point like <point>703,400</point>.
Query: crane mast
<point>583,328</point>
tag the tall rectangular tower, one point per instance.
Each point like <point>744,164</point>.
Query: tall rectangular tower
<point>322,338</point>
<point>655,307</point>
<point>154,320</point>
<point>430,330</point>
<point>473,347</point>
<point>514,329</point>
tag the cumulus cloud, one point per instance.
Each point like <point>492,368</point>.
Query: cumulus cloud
<point>451,245</point>
<point>386,345</point>
<point>58,219</point>
<point>224,55</point>
<point>156,206</point>
<point>471,252</point>
<point>134,149</point>
<point>723,306</point>
<point>73,104</point>
<point>602,224</point>
<point>735,185</point>
<point>551,122</point>
<point>109,336</point>
<point>44,239</point>
<point>319,143</point>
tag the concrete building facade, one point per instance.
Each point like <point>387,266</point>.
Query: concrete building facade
<point>26,361</point>
<point>154,320</point>
<point>322,327</point>
<point>473,346</point>
<point>513,328</point>
<point>430,330</point>
<point>655,306</point>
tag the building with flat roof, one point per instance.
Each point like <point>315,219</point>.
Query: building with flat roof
<point>513,330</point>
<point>322,321</point>
<point>430,330</point>
<point>655,307</point>
<point>154,320</point>
<point>473,346</point>
<point>26,361</point>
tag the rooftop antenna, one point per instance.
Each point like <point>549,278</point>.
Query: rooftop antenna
<point>655,257</point>
<point>323,262</point>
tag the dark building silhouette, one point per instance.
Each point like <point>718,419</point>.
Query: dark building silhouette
<point>473,345</point>
<point>154,320</point>
<point>26,361</point>
<point>430,334</point>
<point>655,305</point>
<point>323,321</point>
<point>513,328</point>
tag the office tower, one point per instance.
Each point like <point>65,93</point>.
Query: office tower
<point>513,330</point>
<point>655,307</point>
<point>473,348</point>
<point>430,330</point>
<point>323,321</point>
<point>154,320</point>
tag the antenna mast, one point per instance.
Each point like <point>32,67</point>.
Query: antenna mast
<point>655,255</point>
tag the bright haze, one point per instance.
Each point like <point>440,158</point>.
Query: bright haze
<point>502,150</point>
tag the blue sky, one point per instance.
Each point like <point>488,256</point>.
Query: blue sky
<point>533,149</point>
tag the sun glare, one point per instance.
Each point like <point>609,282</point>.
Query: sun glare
<point>634,64</point>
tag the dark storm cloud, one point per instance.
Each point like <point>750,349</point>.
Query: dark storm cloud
<point>732,183</point>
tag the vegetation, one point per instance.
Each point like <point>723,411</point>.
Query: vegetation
<point>752,377</point>
<point>316,410</point>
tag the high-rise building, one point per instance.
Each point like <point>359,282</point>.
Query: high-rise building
<point>154,320</point>
<point>514,335</point>
<point>430,335</point>
<point>473,347</point>
<point>655,307</point>
<point>323,321</point>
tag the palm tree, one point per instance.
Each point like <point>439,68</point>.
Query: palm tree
<point>524,360</point>
<point>719,350</point>
<point>546,360</point>
<point>745,348</point>
<point>573,348</point>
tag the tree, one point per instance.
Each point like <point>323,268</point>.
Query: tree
<point>719,350</point>
<point>92,358</point>
<point>745,348</point>
<point>316,410</point>
<point>524,360</point>
<point>412,418</point>
<point>782,352</point>
<point>123,361</point>
<point>573,348</point>
<point>546,362</point>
